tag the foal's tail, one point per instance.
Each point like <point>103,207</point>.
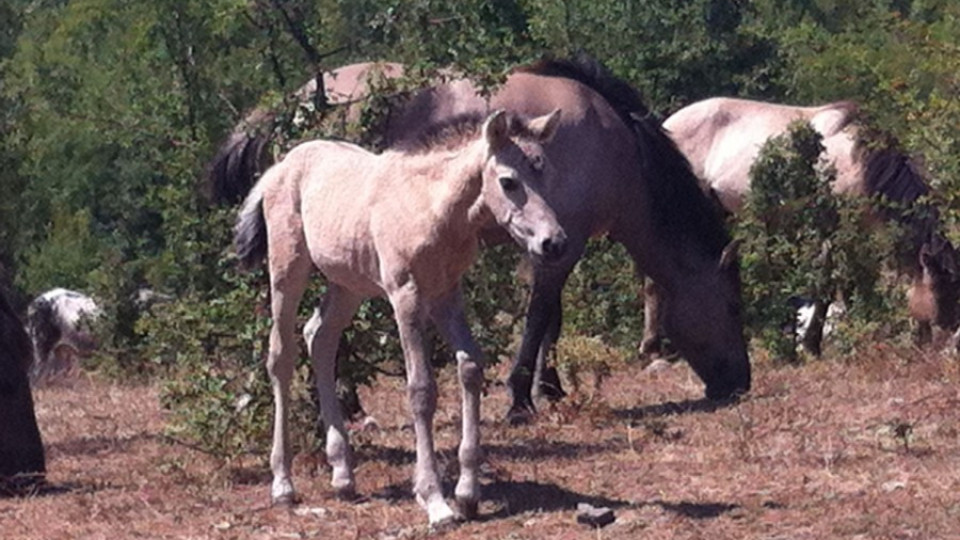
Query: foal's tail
<point>250,232</point>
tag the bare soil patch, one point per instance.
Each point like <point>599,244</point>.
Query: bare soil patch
<point>863,449</point>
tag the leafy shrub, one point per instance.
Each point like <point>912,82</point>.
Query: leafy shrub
<point>799,238</point>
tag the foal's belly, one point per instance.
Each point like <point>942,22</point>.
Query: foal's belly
<point>356,270</point>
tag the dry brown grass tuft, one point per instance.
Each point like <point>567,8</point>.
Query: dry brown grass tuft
<point>866,448</point>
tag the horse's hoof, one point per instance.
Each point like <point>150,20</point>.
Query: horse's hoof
<point>467,509</point>
<point>348,495</point>
<point>650,347</point>
<point>550,386</point>
<point>520,416</point>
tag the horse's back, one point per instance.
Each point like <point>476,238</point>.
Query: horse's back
<point>722,137</point>
<point>352,82</point>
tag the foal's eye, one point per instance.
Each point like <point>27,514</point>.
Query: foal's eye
<point>509,183</point>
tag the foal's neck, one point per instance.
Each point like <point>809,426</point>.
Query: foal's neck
<point>457,191</point>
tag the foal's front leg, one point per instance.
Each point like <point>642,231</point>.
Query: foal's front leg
<point>422,393</point>
<point>449,318</point>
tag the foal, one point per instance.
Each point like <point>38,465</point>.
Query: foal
<point>403,224</point>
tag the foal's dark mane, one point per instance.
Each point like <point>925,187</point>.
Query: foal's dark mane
<point>681,209</point>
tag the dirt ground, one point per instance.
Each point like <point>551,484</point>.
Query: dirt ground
<point>864,449</point>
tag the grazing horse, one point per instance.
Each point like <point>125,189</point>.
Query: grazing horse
<point>404,224</point>
<point>618,174</point>
<point>22,461</point>
<point>722,137</point>
<point>59,322</point>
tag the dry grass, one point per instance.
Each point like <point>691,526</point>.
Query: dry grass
<point>866,449</point>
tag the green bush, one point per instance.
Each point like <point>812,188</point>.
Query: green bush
<point>799,238</point>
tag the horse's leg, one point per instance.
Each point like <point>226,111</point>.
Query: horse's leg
<point>288,280</point>
<point>812,340</point>
<point>652,329</point>
<point>544,308</point>
<point>422,394</point>
<point>322,334</point>
<point>449,318</point>
<point>546,381</point>
<point>924,333</point>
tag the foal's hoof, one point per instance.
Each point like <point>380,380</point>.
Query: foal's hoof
<point>288,500</point>
<point>445,524</point>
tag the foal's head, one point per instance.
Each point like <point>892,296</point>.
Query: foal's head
<point>515,170</point>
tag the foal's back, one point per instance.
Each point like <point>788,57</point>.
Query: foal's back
<point>365,217</point>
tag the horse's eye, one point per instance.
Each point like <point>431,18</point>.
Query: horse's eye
<point>509,183</point>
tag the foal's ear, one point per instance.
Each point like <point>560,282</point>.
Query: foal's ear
<point>729,254</point>
<point>495,129</point>
<point>544,127</point>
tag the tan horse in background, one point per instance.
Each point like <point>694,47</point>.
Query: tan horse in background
<point>618,174</point>
<point>403,224</point>
<point>722,138</point>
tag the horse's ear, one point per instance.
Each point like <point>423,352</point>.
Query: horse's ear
<point>729,254</point>
<point>544,127</point>
<point>495,129</point>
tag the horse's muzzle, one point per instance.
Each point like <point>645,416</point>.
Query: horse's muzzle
<point>553,249</point>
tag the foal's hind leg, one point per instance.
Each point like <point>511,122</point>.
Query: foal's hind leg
<point>288,280</point>
<point>449,318</point>
<point>422,393</point>
<point>322,334</point>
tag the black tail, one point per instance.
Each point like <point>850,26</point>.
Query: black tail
<point>250,232</point>
<point>240,159</point>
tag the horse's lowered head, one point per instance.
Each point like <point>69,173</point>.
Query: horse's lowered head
<point>703,315</point>
<point>515,172</point>
<point>939,283</point>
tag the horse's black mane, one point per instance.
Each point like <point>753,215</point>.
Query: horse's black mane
<point>890,173</point>
<point>891,176</point>
<point>680,206</point>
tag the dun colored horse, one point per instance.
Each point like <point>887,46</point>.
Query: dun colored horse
<point>722,137</point>
<point>404,224</point>
<point>617,174</point>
